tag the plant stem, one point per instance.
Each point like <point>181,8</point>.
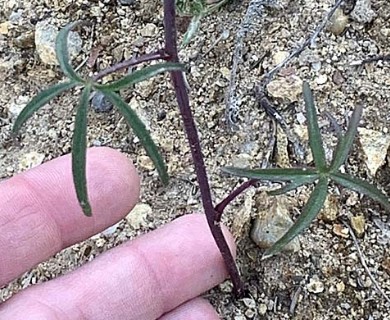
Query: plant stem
<point>193,139</point>
<point>160,54</point>
<point>220,207</point>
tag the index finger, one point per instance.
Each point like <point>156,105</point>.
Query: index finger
<point>40,214</point>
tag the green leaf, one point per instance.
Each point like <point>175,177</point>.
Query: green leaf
<point>79,148</point>
<point>62,52</point>
<point>344,144</point>
<point>298,182</point>
<point>309,212</point>
<point>142,133</point>
<point>191,30</point>
<point>315,139</point>
<point>361,186</point>
<point>140,75</point>
<point>39,101</point>
<point>277,174</point>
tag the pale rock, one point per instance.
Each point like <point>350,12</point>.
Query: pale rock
<point>315,285</point>
<point>4,27</point>
<point>330,209</point>
<point>45,37</point>
<point>358,224</point>
<point>374,145</point>
<point>340,230</point>
<point>110,230</point>
<point>362,11</point>
<point>287,88</point>
<point>340,287</point>
<point>225,72</point>
<point>17,107</point>
<point>30,160</point>
<point>241,160</point>
<point>338,22</point>
<point>150,30</point>
<point>145,162</point>
<point>272,223</point>
<point>322,79</point>
<point>262,309</point>
<point>279,57</point>
<point>137,217</point>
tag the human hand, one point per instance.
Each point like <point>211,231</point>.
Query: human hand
<point>156,276</point>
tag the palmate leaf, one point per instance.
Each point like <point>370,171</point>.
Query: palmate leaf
<point>361,186</point>
<point>140,75</point>
<point>140,131</point>
<point>344,144</point>
<point>79,147</point>
<point>309,212</point>
<point>315,139</point>
<point>39,101</point>
<point>277,174</point>
<point>299,182</point>
<point>62,52</point>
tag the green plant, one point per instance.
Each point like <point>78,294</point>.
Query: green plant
<point>197,10</point>
<point>322,173</point>
<point>109,90</point>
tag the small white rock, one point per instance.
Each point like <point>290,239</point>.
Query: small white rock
<point>374,145</point>
<point>45,37</point>
<point>322,79</point>
<point>150,30</point>
<point>137,217</point>
<point>272,223</point>
<point>315,286</point>
<point>287,88</point>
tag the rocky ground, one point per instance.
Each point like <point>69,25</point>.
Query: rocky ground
<point>324,278</point>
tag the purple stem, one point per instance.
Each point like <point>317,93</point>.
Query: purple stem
<point>193,139</point>
<point>160,54</point>
<point>232,195</point>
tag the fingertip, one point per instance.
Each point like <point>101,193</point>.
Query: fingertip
<point>195,309</point>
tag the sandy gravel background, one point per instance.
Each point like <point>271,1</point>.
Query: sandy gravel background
<point>324,279</point>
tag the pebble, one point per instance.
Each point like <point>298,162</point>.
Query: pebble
<point>330,210</point>
<point>340,287</point>
<point>279,57</point>
<point>315,286</point>
<point>321,79</point>
<point>4,27</point>
<point>150,30</point>
<point>338,22</point>
<point>358,224</point>
<point>45,37</point>
<point>100,103</point>
<point>137,217</point>
<point>262,309</point>
<point>340,230</point>
<point>271,224</point>
<point>374,143</point>
<point>362,11</point>
<point>17,107</point>
<point>287,88</point>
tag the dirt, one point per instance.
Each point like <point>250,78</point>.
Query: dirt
<point>325,279</point>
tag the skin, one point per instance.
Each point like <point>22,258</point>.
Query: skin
<point>156,276</point>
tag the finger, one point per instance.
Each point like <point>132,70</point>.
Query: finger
<point>142,279</point>
<point>193,310</point>
<point>40,214</point>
